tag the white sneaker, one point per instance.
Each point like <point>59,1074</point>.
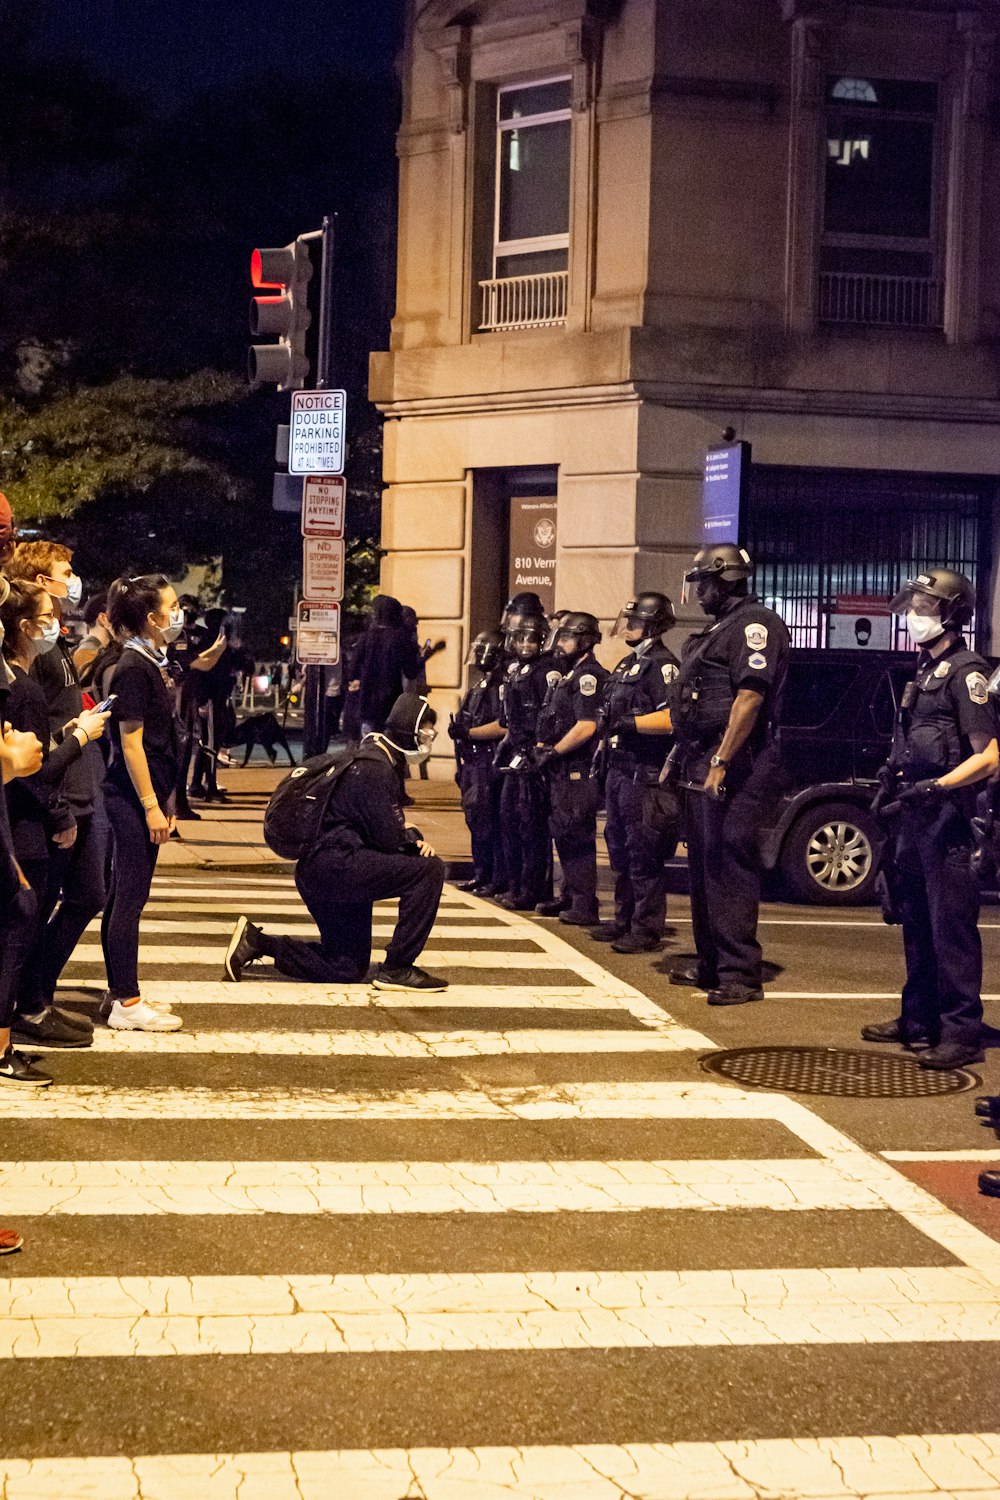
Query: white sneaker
<point>142,1017</point>
<point>107,1005</point>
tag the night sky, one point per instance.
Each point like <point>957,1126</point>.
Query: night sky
<point>170,49</point>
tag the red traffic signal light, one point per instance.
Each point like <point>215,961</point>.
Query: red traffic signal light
<point>285,270</point>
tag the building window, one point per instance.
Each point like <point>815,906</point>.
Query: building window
<point>529,282</point>
<point>880,253</point>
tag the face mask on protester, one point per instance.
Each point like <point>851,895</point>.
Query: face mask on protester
<point>923,628</point>
<point>176,624</point>
<point>38,645</point>
<point>74,589</point>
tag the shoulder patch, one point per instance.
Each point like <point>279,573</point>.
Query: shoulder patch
<point>978,687</point>
<point>634,671</point>
<point>588,684</point>
<point>943,669</point>
<point>756,637</point>
<point>552,678</point>
<point>757,661</point>
<point>669,672</point>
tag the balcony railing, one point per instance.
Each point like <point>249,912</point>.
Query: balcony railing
<point>524,301</point>
<point>881,301</point>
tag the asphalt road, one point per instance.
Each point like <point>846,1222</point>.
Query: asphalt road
<point>511,1240</point>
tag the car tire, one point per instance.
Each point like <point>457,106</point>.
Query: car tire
<point>828,858</point>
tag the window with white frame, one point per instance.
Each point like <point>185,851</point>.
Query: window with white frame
<point>531,220</point>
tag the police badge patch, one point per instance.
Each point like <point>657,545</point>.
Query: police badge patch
<point>757,661</point>
<point>552,678</point>
<point>943,669</point>
<point>756,637</point>
<point>978,688</point>
<point>588,685</point>
<point>669,673</point>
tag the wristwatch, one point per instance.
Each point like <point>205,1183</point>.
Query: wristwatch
<point>717,762</point>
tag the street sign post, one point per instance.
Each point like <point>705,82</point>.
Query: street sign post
<point>317,639</point>
<point>316,439</point>
<point>322,570</point>
<point>323,504</point>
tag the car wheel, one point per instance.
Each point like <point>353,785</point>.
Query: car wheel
<point>829,855</point>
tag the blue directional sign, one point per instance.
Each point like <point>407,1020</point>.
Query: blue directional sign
<point>726,471</point>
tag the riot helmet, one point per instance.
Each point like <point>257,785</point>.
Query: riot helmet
<point>409,731</point>
<point>723,564</point>
<point>936,600</point>
<point>525,636</point>
<point>521,604</point>
<point>486,651</point>
<point>644,618</point>
<point>575,634</point>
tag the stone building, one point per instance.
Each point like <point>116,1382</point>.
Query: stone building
<point>629,226</point>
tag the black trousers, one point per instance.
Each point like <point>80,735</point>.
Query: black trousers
<point>480,788</point>
<point>641,832</point>
<point>17,925</point>
<point>939,899</point>
<point>723,839</point>
<point>524,832</point>
<point>339,892</point>
<point>573,802</point>
<point>133,860</point>
<point>74,893</point>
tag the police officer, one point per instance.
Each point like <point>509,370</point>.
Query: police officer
<point>945,742</point>
<point>642,817</point>
<point>723,710</point>
<point>566,728</point>
<point>524,803</point>
<point>476,731</point>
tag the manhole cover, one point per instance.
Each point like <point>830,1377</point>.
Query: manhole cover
<point>836,1070</point>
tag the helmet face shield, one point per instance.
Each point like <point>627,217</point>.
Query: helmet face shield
<point>626,625</point>
<point>524,638</point>
<point>913,598</point>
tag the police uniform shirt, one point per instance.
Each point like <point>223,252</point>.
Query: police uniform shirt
<point>944,707</point>
<point>746,648</point>
<point>482,705</point>
<point>640,684</point>
<point>576,695</point>
<point>524,690</point>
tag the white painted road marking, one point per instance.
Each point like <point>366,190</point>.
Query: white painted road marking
<point>398,1044</point>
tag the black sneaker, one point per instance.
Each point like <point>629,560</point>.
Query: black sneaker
<point>553,908</point>
<point>734,994</point>
<point>635,942</point>
<point>408,978</point>
<point>989,1183</point>
<point>50,1031</point>
<point>987,1106</point>
<point>75,1018</point>
<point>608,932</point>
<point>692,976</point>
<point>18,1071</point>
<point>948,1055</point>
<point>571,918</point>
<point>244,948</point>
<point>892,1032</point>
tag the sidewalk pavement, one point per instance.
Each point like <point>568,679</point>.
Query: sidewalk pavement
<point>229,835</point>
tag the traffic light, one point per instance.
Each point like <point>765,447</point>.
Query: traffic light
<point>286,271</point>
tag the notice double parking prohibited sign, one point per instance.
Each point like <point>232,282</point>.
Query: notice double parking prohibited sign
<point>316,432</point>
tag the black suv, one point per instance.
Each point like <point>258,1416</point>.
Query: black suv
<point>836,730</point>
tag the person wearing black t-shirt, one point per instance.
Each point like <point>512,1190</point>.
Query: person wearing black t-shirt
<point>140,784</point>
<point>40,816</point>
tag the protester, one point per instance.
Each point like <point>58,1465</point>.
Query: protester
<point>99,633</point>
<point>364,853</point>
<point>385,654</point>
<point>218,666</point>
<point>75,888</point>
<point>39,816</point>
<point>144,613</point>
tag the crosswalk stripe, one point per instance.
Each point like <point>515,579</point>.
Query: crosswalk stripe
<point>306,930</point>
<point>945,1465</point>
<point>89,954</point>
<point>255,992</point>
<point>399,1044</point>
<point>425,1187</point>
<point>170,1316</point>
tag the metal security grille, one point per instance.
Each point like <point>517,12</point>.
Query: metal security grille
<point>816,534</point>
<point>838,1072</point>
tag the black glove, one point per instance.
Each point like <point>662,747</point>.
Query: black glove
<point>623,723</point>
<point>543,756</point>
<point>458,732</point>
<point>925,795</point>
<point>886,789</point>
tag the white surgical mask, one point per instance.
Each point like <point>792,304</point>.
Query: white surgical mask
<point>38,645</point>
<point>175,626</point>
<point>923,628</point>
<point>74,589</point>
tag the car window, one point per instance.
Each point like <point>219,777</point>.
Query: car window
<point>885,702</point>
<point>815,691</point>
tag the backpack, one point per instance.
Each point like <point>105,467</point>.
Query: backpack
<point>293,820</point>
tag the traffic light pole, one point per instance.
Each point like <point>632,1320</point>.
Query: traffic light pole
<point>314,726</point>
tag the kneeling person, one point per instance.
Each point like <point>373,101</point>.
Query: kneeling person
<point>364,854</point>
